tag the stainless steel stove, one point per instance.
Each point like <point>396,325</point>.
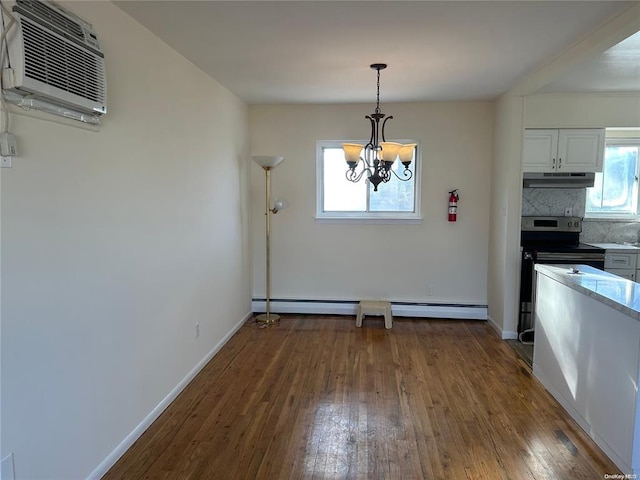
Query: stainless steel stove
<point>549,240</point>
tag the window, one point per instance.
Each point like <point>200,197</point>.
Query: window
<point>340,199</point>
<point>615,191</point>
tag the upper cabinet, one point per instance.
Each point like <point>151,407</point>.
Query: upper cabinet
<point>563,150</point>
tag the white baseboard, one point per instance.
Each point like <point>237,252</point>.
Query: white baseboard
<point>347,307</point>
<point>113,457</point>
<point>504,334</point>
<point>509,335</point>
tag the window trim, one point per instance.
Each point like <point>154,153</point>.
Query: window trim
<point>322,216</point>
<point>604,216</point>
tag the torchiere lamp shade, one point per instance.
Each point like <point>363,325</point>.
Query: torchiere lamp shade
<point>267,161</point>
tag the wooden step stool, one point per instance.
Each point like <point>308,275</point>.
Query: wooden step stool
<point>372,307</point>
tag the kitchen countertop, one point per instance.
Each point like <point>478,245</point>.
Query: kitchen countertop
<point>617,247</point>
<point>617,292</point>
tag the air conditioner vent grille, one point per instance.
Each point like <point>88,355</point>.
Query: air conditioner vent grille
<point>62,64</point>
<point>50,15</point>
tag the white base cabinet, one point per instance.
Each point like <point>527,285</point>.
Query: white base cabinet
<point>563,150</point>
<point>621,264</point>
<point>586,354</point>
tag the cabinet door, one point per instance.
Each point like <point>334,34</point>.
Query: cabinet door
<point>580,150</point>
<point>540,149</point>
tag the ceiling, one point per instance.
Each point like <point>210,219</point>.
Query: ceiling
<point>616,70</point>
<point>320,51</point>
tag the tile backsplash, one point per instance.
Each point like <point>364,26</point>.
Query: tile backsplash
<point>610,231</point>
<point>553,201</point>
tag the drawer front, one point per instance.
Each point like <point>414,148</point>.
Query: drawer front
<point>620,260</point>
<point>628,273</point>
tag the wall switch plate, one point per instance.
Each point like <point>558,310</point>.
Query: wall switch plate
<point>568,211</point>
<point>197,330</point>
<point>5,162</point>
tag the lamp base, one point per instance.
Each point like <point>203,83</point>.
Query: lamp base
<point>267,318</point>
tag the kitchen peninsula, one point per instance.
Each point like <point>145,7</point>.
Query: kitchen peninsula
<point>586,353</point>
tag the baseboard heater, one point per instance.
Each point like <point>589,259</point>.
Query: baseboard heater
<point>349,307</point>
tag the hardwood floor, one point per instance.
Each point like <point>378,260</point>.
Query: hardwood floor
<point>316,398</point>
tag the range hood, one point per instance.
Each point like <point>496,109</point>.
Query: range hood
<point>558,180</point>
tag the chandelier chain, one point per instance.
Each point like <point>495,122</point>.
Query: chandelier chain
<point>378,93</point>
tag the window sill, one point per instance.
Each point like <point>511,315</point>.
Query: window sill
<point>378,220</point>
<point>620,218</point>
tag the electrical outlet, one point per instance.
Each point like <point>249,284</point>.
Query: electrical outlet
<point>429,290</point>
<point>568,211</point>
<point>197,330</point>
<point>5,162</point>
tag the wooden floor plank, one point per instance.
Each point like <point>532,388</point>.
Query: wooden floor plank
<point>314,397</point>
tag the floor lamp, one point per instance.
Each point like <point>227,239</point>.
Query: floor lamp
<point>268,163</point>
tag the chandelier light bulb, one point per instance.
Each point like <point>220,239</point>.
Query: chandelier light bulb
<point>390,151</point>
<point>352,153</point>
<point>406,153</point>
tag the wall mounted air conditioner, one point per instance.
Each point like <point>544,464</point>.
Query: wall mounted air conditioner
<point>54,55</point>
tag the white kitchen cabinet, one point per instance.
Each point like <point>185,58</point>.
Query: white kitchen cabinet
<point>621,264</point>
<point>586,354</point>
<point>563,150</point>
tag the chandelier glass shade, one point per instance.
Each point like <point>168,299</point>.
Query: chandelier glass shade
<point>378,156</point>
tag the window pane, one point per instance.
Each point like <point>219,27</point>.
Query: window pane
<point>594,194</point>
<point>341,195</point>
<point>394,196</point>
<point>614,189</point>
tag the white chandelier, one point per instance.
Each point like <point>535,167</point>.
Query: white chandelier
<point>379,156</point>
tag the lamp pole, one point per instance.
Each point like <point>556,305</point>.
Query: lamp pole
<point>268,318</point>
<point>268,163</point>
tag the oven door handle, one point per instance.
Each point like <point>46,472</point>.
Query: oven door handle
<point>570,257</point>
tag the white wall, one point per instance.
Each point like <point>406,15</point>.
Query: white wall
<point>583,110</point>
<point>351,261</point>
<point>506,188</point>
<point>114,244</point>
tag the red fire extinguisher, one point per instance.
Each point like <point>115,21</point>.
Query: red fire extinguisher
<point>453,205</point>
